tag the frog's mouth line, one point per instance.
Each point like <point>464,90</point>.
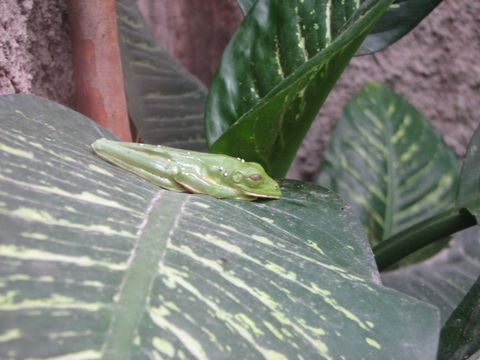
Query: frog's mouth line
<point>266,196</point>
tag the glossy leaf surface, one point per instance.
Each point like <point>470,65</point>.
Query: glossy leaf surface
<point>401,17</point>
<point>398,20</point>
<point>460,337</point>
<point>277,71</point>
<point>97,263</point>
<point>389,163</point>
<point>165,102</point>
<point>468,196</point>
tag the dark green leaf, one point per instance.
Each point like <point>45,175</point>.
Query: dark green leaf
<point>444,279</point>
<point>398,20</point>
<point>389,163</point>
<point>165,102</point>
<point>460,337</point>
<point>277,71</point>
<point>97,263</point>
<point>468,196</point>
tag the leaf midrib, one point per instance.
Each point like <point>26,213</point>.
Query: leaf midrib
<point>391,179</point>
<point>130,301</point>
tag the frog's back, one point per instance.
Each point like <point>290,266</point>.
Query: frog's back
<point>183,156</point>
<point>186,157</point>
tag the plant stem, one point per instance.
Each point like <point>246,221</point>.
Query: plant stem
<point>438,227</point>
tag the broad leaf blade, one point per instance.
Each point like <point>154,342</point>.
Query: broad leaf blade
<point>468,196</point>
<point>444,279</point>
<point>389,163</point>
<point>165,102</point>
<point>97,263</point>
<point>460,337</point>
<point>400,18</point>
<point>277,71</point>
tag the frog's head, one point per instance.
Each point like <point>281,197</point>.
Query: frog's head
<point>252,180</point>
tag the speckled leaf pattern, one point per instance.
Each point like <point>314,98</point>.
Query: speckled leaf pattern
<point>389,163</point>
<point>398,20</point>
<point>460,337</point>
<point>277,71</point>
<point>165,102</point>
<point>97,263</point>
<point>468,196</point>
<point>401,17</point>
<point>444,279</point>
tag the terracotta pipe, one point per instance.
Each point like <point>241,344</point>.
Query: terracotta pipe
<point>97,66</point>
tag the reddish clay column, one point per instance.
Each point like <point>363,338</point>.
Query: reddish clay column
<point>98,73</point>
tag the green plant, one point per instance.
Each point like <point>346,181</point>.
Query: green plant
<point>97,263</point>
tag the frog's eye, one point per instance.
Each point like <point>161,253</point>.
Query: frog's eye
<point>255,177</point>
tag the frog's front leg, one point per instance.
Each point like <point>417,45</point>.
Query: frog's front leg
<point>164,178</point>
<point>197,184</point>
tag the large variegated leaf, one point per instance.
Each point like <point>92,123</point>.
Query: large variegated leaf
<point>389,163</point>
<point>461,334</point>
<point>277,71</point>
<point>445,279</point>
<point>97,263</point>
<point>400,18</point>
<point>165,102</point>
